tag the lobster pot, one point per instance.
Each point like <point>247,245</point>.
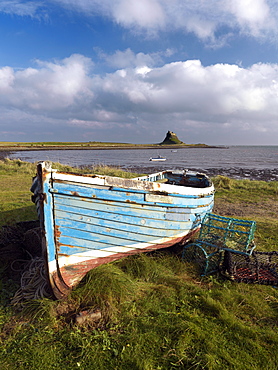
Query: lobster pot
<point>207,259</point>
<point>228,233</point>
<point>260,267</point>
<point>218,236</point>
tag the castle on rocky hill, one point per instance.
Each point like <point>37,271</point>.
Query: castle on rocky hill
<point>171,139</point>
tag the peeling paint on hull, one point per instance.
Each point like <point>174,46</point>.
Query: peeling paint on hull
<point>91,220</point>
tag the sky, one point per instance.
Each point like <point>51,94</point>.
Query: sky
<point>130,70</point>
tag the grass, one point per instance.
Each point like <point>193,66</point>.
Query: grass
<point>61,144</point>
<point>87,145</point>
<point>157,312</point>
<point>168,319</point>
<point>245,190</point>
<point>15,203</point>
<point>254,200</point>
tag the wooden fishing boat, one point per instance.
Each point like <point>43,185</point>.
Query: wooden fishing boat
<point>89,220</point>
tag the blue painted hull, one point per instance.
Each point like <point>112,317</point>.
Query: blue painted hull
<point>91,220</point>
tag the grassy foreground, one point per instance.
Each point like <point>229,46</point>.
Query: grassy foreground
<point>157,313</point>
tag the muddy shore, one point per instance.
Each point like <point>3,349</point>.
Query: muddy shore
<point>233,172</point>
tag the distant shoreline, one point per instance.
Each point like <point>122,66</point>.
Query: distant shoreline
<point>106,147</point>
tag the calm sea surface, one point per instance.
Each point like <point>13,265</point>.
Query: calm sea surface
<point>234,158</point>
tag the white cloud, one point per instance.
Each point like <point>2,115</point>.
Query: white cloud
<point>255,18</point>
<point>206,19</point>
<point>217,99</point>
<point>250,11</point>
<point>204,29</point>
<point>6,79</point>
<point>147,14</point>
<point>53,86</point>
<point>21,7</point>
<point>129,59</point>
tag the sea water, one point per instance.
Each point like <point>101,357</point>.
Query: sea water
<point>259,158</point>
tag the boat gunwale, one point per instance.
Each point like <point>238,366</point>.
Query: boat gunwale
<point>139,183</point>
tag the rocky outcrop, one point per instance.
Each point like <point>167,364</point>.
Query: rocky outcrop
<point>171,139</point>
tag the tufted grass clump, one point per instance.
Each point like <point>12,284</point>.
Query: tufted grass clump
<point>157,314</point>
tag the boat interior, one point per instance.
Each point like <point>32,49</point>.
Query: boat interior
<point>182,178</point>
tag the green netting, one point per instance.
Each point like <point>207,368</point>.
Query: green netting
<point>260,267</point>
<point>206,259</point>
<point>217,235</point>
<point>228,233</point>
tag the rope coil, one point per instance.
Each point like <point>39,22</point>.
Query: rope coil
<point>34,283</point>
